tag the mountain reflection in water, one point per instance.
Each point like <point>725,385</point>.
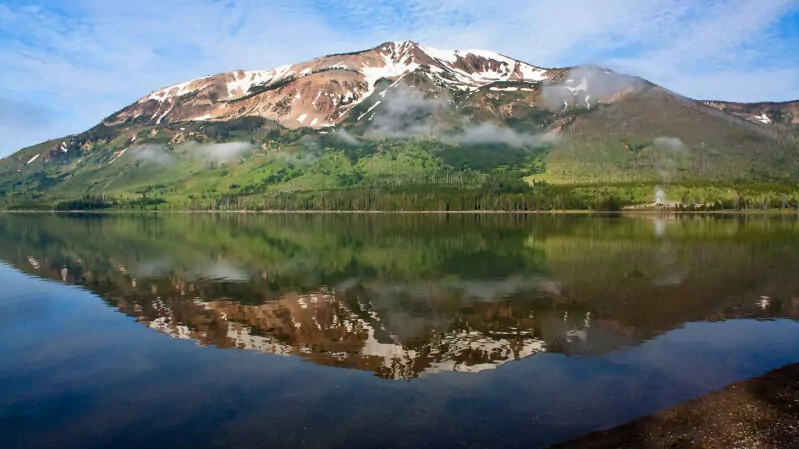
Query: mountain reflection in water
<point>410,296</point>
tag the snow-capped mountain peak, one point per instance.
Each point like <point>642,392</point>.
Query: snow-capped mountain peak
<point>321,92</point>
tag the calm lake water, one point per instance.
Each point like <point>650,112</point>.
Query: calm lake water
<point>353,331</point>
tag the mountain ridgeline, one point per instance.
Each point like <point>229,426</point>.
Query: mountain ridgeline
<point>403,126</point>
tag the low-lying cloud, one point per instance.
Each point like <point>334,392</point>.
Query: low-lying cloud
<point>583,86</point>
<point>488,132</point>
<point>160,154</point>
<point>670,150</point>
<point>299,159</point>
<point>347,138</point>
<point>408,113</point>
<point>217,152</point>
<point>152,154</point>
<point>404,112</point>
<point>668,143</point>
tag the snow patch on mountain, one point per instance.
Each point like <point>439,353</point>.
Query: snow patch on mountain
<point>244,80</point>
<point>391,69</point>
<point>369,110</point>
<point>172,106</point>
<point>117,155</point>
<point>529,72</point>
<point>450,56</point>
<point>178,90</point>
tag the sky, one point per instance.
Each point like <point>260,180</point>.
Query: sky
<point>67,64</point>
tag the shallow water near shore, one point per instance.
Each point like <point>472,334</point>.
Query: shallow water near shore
<point>379,330</point>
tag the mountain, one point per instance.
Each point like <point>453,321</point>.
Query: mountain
<point>321,92</point>
<point>406,126</point>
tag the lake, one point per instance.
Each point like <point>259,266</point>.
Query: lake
<point>396,331</point>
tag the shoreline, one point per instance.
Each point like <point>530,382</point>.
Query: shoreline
<point>633,212</point>
<point>760,412</point>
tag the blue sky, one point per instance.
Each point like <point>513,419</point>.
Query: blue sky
<point>66,64</point>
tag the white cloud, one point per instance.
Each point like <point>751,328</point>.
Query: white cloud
<point>217,152</point>
<point>729,53</point>
<point>491,133</point>
<point>88,58</point>
<point>404,112</point>
<point>152,154</point>
<point>346,137</point>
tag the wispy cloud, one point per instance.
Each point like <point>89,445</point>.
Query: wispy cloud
<point>405,112</point>
<point>217,152</point>
<point>160,154</point>
<point>88,58</point>
<point>732,50</point>
<point>491,133</point>
<point>152,154</point>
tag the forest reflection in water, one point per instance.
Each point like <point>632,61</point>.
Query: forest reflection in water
<point>406,296</point>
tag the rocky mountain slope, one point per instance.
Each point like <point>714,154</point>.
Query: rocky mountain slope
<point>783,115</point>
<point>321,92</point>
